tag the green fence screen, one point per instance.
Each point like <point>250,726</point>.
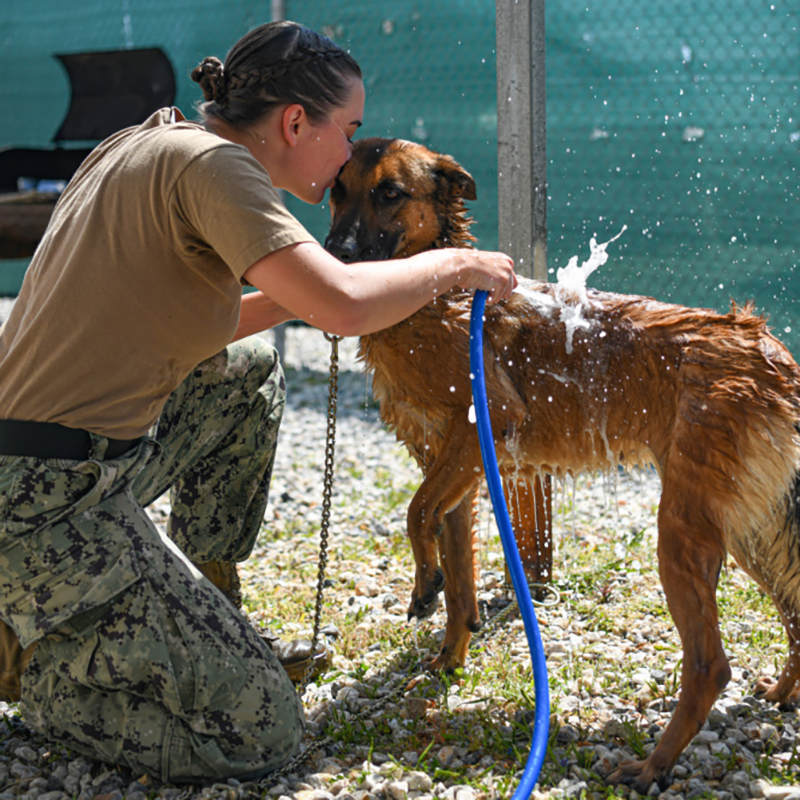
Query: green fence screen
<point>680,121</point>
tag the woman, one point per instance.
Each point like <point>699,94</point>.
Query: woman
<point>118,381</point>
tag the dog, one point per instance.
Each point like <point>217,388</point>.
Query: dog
<point>583,380</point>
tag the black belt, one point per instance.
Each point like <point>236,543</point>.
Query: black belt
<point>51,440</point>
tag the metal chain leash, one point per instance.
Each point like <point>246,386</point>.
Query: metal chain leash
<point>327,493</point>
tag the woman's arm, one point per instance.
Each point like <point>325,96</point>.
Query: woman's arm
<point>364,297</point>
<point>259,313</point>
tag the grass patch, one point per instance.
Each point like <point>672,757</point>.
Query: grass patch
<point>474,728</point>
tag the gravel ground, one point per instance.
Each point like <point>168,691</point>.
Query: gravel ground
<point>588,641</point>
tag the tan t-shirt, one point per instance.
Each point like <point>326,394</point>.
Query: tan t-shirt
<point>137,278</point>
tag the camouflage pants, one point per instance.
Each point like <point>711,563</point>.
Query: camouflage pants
<point>140,660</point>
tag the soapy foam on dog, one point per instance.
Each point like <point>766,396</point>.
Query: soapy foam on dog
<point>571,287</point>
<point>570,292</point>
<point>543,304</point>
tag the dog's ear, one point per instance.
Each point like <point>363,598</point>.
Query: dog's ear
<point>457,180</point>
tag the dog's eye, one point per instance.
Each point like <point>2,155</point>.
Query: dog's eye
<point>386,194</point>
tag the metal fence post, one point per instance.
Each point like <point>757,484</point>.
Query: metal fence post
<point>522,231</point>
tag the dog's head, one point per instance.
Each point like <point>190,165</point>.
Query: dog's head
<point>396,198</point>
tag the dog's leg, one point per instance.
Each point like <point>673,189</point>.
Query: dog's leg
<point>448,480</point>
<point>457,553</point>
<point>768,558</point>
<point>785,691</point>
<point>780,583</point>
<point>690,559</point>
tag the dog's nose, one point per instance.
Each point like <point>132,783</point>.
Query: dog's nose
<point>344,248</point>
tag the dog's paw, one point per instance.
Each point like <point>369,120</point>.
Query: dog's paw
<point>765,688</point>
<point>423,605</point>
<point>770,690</point>
<point>639,775</point>
<point>444,662</point>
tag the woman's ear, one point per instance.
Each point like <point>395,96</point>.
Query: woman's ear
<point>292,121</point>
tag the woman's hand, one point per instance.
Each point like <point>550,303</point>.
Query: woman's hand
<point>484,271</point>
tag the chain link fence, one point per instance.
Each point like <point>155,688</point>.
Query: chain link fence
<point>679,122</point>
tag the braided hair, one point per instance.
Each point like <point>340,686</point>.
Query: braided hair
<point>272,65</point>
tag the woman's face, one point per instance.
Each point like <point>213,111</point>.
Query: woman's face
<point>323,149</point>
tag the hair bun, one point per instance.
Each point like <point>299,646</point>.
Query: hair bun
<point>210,74</point>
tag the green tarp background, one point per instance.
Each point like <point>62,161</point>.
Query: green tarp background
<point>679,121</point>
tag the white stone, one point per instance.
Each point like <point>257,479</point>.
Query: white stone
<point>779,792</point>
<point>419,782</point>
<point>397,790</point>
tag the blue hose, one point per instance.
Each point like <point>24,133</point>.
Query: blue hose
<point>541,724</point>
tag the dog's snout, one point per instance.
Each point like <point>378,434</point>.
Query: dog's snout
<point>343,239</point>
<point>345,248</point>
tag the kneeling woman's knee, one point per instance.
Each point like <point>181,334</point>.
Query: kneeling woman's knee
<point>261,368</point>
<point>259,735</point>
<point>255,357</point>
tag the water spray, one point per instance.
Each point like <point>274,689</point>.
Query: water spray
<point>541,724</point>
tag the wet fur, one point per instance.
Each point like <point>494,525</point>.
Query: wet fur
<point>712,400</point>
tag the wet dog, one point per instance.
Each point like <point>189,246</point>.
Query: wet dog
<point>582,380</point>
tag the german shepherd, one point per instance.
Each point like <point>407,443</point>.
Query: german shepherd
<point>581,383</point>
